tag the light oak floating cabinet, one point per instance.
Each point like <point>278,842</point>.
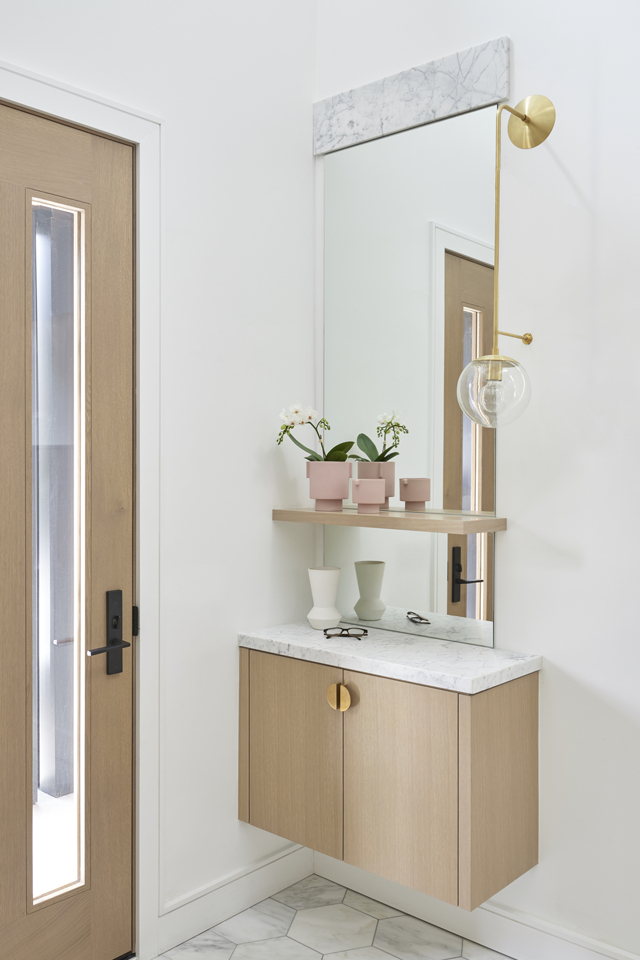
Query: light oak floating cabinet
<point>434,789</point>
<point>429,521</point>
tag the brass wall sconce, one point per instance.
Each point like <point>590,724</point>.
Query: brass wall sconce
<point>494,390</point>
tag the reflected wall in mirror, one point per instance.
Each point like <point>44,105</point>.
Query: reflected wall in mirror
<point>408,301</point>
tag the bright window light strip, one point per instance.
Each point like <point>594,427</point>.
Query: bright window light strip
<point>79,541</point>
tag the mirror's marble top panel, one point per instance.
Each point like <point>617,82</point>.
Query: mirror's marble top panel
<point>432,663</point>
<point>463,81</point>
<point>441,626</point>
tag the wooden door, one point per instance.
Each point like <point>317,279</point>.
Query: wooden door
<point>66,538</point>
<point>401,783</point>
<point>469,450</point>
<point>295,761</point>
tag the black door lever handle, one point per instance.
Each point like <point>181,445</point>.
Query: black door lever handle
<point>114,645</point>
<point>456,579</point>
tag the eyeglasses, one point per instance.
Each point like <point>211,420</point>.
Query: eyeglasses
<point>357,632</point>
<point>416,617</point>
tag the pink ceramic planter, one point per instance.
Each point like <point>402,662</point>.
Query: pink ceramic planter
<point>415,491</point>
<point>376,471</point>
<point>329,483</point>
<point>368,494</point>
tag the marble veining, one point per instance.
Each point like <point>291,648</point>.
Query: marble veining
<point>207,946</point>
<point>474,951</point>
<point>329,929</point>
<point>281,949</point>
<point>463,81</point>
<point>333,929</point>
<point>362,953</point>
<point>313,891</point>
<point>433,663</point>
<point>442,626</point>
<point>378,910</point>
<point>410,939</point>
<point>267,919</point>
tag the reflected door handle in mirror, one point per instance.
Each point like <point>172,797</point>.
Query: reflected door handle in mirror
<point>115,643</point>
<point>456,579</point>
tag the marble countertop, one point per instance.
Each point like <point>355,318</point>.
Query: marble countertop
<point>441,626</point>
<point>432,663</point>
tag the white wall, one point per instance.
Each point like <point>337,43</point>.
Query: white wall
<point>567,472</point>
<point>233,83</point>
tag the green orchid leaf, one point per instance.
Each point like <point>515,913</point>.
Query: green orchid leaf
<point>387,455</point>
<point>312,454</point>
<point>368,446</point>
<point>346,446</point>
<point>340,451</point>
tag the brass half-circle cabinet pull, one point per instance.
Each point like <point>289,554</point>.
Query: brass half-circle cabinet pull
<point>338,697</point>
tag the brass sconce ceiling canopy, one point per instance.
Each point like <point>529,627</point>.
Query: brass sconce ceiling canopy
<point>495,389</point>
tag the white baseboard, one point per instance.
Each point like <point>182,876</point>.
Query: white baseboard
<point>202,909</point>
<point>514,933</point>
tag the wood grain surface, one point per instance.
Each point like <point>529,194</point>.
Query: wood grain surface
<point>15,586</point>
<point>498,788</point>
<point>76,168</point>
<point>296,752</point>
<point>401,783</point>
<point>386,520</point>
<point>243,739</point>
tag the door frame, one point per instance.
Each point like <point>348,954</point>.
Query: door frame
<point>441,240</point>
<point>49,97</point>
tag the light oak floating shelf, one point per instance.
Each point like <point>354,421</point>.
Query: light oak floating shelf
<point>431,521</point>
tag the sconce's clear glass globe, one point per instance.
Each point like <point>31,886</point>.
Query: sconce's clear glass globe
<point>489,401</point>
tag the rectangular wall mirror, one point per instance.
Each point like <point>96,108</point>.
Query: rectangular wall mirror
<point>408,302</point>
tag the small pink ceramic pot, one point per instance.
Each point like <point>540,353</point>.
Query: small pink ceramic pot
<point>368,494</point>
<point>329,483</point>
<point>415,491</point>
<point>376,471</point>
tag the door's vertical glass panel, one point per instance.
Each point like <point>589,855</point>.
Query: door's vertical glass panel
<point>472,476</point>
<point>467,425</point>
<point>57,549</point>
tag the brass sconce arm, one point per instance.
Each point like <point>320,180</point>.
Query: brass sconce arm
<point>530,124</point>
<point>526,338</point>
<point>494,390</point>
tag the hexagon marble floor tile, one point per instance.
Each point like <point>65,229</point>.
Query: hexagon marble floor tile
<point>317,918</point>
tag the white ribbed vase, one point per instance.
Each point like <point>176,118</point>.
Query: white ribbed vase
<point>324,589</point>
<point>369,574</point>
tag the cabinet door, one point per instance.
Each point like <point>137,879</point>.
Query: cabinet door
<point>401,783</point>
<point>295,762</point>
<point>498,788</point>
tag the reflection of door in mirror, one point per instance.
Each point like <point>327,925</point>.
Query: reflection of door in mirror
<point>469,450</point>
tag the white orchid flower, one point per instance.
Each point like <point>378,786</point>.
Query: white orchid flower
<point>386,418</point>
<point>297,415</point>
<point>290,419</point>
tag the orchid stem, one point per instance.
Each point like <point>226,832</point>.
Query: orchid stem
<point>324,454</point>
